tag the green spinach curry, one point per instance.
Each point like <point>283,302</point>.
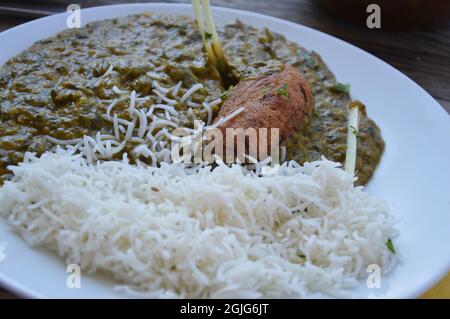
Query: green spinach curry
<point>57,86</point>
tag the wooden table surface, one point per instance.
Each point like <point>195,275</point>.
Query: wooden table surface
<point>421,54</point>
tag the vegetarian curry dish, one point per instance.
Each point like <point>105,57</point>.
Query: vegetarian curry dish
<point>61,87</point>
<point>89,120</point>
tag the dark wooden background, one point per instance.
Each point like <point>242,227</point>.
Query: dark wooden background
<point>423,54</point>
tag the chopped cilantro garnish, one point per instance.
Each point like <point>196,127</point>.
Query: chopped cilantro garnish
<point>283,90</point>
<point>390,246</point>
<point>340,88</point>
<point>354,131</point>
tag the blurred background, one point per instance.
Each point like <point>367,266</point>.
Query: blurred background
<point>414,38</point>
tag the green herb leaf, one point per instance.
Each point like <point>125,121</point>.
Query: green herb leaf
<point>340,88</point>
<point>354,131</point>
<point>208,35</point>
<point>390,246</point>
<point>282,91</point>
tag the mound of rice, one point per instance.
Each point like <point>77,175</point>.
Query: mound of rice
<point>222,233</point>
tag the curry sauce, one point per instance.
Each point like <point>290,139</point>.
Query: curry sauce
<point>57,86</point>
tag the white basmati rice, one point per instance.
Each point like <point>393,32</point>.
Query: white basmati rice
<point>226,233</point>
<point>191,91</point>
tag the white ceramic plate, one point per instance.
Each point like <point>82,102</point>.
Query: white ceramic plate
<point>414,175</point>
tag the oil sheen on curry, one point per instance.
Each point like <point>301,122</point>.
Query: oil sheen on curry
<point>55,88</point>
